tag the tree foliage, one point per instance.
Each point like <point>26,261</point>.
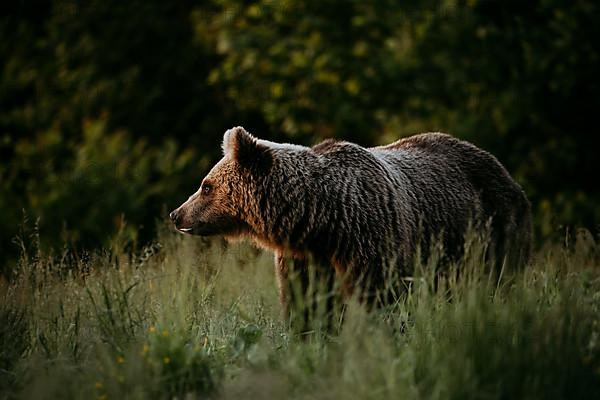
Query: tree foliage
<point>111,109</point>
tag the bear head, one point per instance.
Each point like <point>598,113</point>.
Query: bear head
<point>226,201</point>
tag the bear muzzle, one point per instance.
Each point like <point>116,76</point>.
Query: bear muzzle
<point>184,225</point>
<point>177,219</point>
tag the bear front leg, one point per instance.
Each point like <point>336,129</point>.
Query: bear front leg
<point>293,284</point>
<point>281,274</point>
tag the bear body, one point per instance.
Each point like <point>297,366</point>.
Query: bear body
<point>360,211</point>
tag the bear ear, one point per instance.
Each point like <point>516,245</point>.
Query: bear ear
<point>245,148</point>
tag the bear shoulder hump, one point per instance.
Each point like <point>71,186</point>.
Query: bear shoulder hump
<point>424,141</point>
<point>327,146</point>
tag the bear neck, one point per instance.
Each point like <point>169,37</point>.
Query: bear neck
<point>286,211</point>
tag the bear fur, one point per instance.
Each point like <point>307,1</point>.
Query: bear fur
<point>360,211</point>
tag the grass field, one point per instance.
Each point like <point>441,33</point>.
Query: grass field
<point>187,318</point>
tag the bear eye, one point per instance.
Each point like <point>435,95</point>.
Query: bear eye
<point>206,188</point>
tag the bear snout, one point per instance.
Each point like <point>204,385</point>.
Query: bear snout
<point>176,216</point>
<point>177,219</point>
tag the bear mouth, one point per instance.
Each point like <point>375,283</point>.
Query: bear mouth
<point>194,230</point>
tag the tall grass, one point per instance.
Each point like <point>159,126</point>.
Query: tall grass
<point>189,318</point>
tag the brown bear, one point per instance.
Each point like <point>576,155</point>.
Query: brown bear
<point>359,211</point>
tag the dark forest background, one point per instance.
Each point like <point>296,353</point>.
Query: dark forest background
<point>111,111</point>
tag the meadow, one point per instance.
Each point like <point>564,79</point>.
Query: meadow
<point>190,318</point>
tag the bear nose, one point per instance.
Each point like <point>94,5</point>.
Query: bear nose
<point>173,215</point>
